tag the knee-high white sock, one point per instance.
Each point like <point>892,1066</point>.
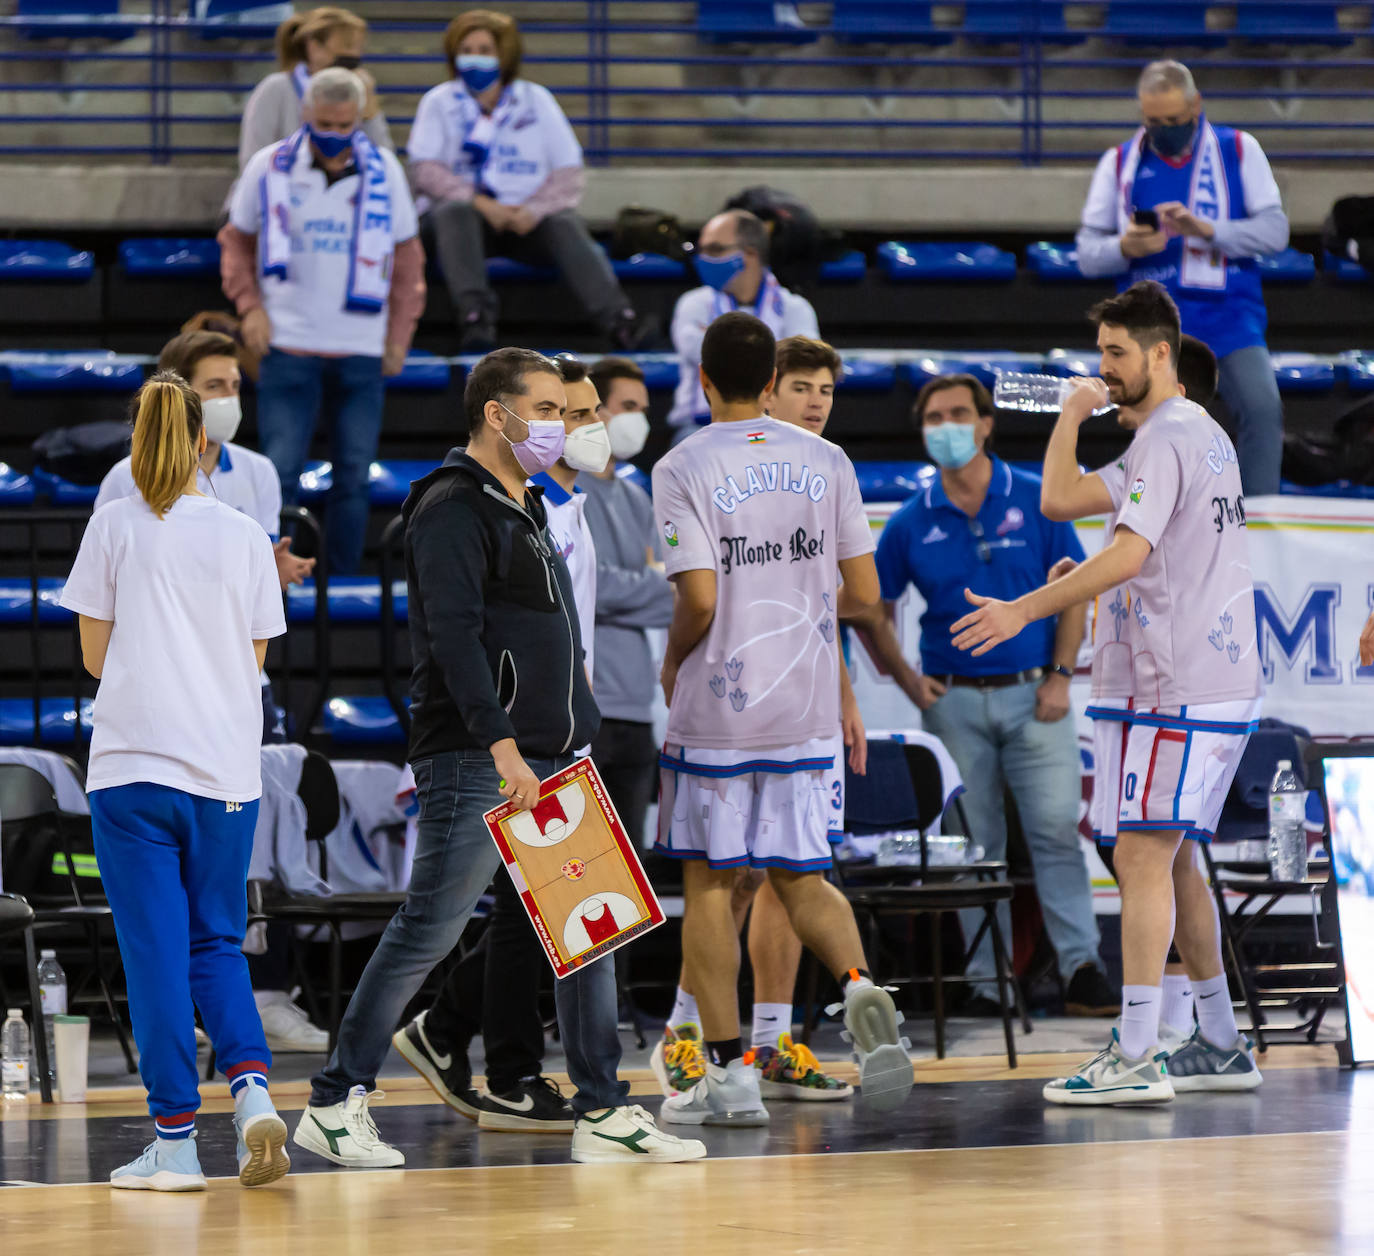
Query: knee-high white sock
<point>771,1020</point>
<point>1216,1018</point>
<point>684,1010</point>
<point>1177,1010</point>
<point>1139,1019</point>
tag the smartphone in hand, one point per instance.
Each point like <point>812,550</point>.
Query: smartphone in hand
<point>1145,218</point>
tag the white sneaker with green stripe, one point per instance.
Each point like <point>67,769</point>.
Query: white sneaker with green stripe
<point>622,1135</point>
<point>1111,1078</point>
<point>346,1134</point>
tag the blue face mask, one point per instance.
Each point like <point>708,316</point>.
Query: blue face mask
<point>478,71</point>
<point>1171,141</point>
<point>329,143</point>
<point>951,445</point>
<point>716,272</point>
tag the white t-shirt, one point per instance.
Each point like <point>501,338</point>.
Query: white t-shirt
<point>307,307</point>
<point>179,702</point>
<point>786,314</point>
<point>242,478</point>
<point>530,138</point>
<point>567,513</point>
<point>772,509</point>
<point>1111,656</point>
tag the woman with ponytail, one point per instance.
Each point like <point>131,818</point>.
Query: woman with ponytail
<point>177,597</point>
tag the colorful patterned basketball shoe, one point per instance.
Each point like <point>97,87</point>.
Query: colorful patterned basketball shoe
<point>678,1059</point>
<point>790,1071</point>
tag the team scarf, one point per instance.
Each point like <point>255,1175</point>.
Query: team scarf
<point>300,77</point>
<point>769,300</point>
<point>1209,196</point>
<point>372,247</point>
<point>479,129</point>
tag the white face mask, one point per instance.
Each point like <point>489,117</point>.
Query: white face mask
<point>628,431</point>
<point>221,416</point>
<point>588,448</point>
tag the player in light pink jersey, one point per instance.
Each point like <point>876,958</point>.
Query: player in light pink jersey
<point>761,522</point>
<point>1187,629</point>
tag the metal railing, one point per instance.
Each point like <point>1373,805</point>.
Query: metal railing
<point>1056,89</point>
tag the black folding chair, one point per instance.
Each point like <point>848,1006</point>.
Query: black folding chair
<point>16,916</point>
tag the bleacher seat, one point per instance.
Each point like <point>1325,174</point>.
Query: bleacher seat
<point>75,370</point>
<point>747,21</point>
<point>849,268</point>
<point>1303,373</point>
<point>649,267</point>
<point>388,482</point>
<point>628,471</point>
<point>16,602</point>
<point>1263,22</point>
<point>982,365</point>
<point>1357,369</point>
<point>44,261</point>
<point>60,492</point>
<point>364,720</point>
<point>1288,266</point>
<point>506,270</point>
<point>170,258</point>
<point>892,481</point>
<point>1068,362</point>
<point>661,370</point>
<point>75,19</point>
<point>352,600</point>
<point>1343,269</point>
<point>886,22</point>
<point>868,375</point>
<point>1055,263</point>
<point>240,19</point>
<point>1162,23</point>
<point>56,721</point>
<point>967,262</point>
<point>422,372</point>
<point>16,488</point>
<point>993,20</point>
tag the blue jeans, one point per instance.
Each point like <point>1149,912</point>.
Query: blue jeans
<point>1247,386</point>
<point>294,391</point>
<point>175,871</point>
<point>455,860</point>
<point>996,740</point>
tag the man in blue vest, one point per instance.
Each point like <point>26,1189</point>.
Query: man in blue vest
<point>1191,205</point>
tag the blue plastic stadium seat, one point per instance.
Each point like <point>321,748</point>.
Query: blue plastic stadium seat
<point>1344,270</point>
<point>982,365</point>
<point>44,261</point>
<point>1303,373</point>
<point>628,471</point>
<point>60,492</point>
<point>892,481</point>
<point>989,20</point>
<point>88,370</point>
<point>1338,488</point>
<point>75,19</point>
<point>352,600</point>
<point>56,721</point>
<point>1068,362</point>
<point>1264,22</point>
<point>1162,22</point>
<point>747,21</point>
<point>16,601</point>
<point>240,19</point>
<point>504,270</point>
<point>661,370</point>
<point>1289,266</point>
<point>1357,369</point>
<point>388,482</point>
<point>866,375</point>
<point>967,262</point>
<point>422,372</point>
<point>171,258</point>
<point>887,22</point>
<point>361,720</point>
<point>850,268</point>
<point>1055,263</point>
<point>649,266</point>
<point>16,488</point>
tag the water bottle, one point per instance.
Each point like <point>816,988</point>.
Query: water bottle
<point>14,1057</point>
<point>1287,833</point>
<point>1034,394</point>
<point>52,990</point>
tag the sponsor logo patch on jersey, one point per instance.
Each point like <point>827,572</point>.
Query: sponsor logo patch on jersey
<point>1014,519</point>
<point>756,438</point>
<point>670,533</point>
<point>1137,490</point>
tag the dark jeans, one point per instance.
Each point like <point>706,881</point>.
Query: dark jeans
<point>626,755</point>
<point>463,240</point>
<point>499,981</point>
<point>455,860</point>
<point>296,390</point>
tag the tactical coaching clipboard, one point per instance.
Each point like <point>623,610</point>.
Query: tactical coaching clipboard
<point>575,869</point>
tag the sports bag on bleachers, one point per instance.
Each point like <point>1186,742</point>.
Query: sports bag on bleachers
<point>85,453</point>
<point>641,230</point>
<point>1349,229</point>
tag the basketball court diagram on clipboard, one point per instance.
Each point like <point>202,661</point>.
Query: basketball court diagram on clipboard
<point>575,869</point>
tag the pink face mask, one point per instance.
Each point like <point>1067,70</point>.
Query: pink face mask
<point>542,446</point>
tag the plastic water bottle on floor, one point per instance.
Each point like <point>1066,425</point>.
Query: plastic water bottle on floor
<point>1287,833</point>
<point>52,990</point>
<point>14,1057</point>
<point>1033,393</point>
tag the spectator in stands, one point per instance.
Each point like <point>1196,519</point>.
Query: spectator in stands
<point>322,258</point>
<point>1004,717</point>
<point>1215,208</point>
<point>306,44</point>
<point>732,264</point>
<point>498,169</point>
<point>632,596</point>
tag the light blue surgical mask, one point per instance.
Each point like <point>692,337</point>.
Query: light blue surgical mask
<point>716,272</point>
<point>951,445</point>
<point>329,143</point>
<point>477,70</point>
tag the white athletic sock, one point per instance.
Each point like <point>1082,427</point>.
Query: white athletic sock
<point>770,1021</point>
<point>685,1010</point>
<point>1139,1019</point>
<point>1216,1018</point>
<point>1177,1011</point>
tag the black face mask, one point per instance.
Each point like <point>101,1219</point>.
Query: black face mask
<point>348,63</point>
<point>1172,141</point>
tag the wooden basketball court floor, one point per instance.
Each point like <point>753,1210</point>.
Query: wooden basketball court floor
<point>974,1162</point>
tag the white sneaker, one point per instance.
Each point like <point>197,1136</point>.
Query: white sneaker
<point>725,1096</point>
<point>1111,1078</point>
<point>885,1072</point>
<point>1171,1039</point>
<point>616,1135</point>
<point>286,1027</point>
<point>346,1134</point>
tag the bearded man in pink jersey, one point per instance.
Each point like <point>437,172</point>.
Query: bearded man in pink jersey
<point>761,522</point>
<point>1182,675</point>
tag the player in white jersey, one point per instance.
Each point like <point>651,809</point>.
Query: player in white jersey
<point>1183,657</point>
<point>761,522</point>
<point>803,394</point>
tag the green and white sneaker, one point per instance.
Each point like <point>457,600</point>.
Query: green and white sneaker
<point>1111,1078</point>
<point>346,1134</point>
<point>1198,1065</point>
<point>620,1135</point>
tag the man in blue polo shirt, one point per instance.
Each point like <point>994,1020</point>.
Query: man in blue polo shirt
<point>1004,716</point>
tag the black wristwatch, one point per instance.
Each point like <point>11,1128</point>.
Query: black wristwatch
<point>1058,669</point>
